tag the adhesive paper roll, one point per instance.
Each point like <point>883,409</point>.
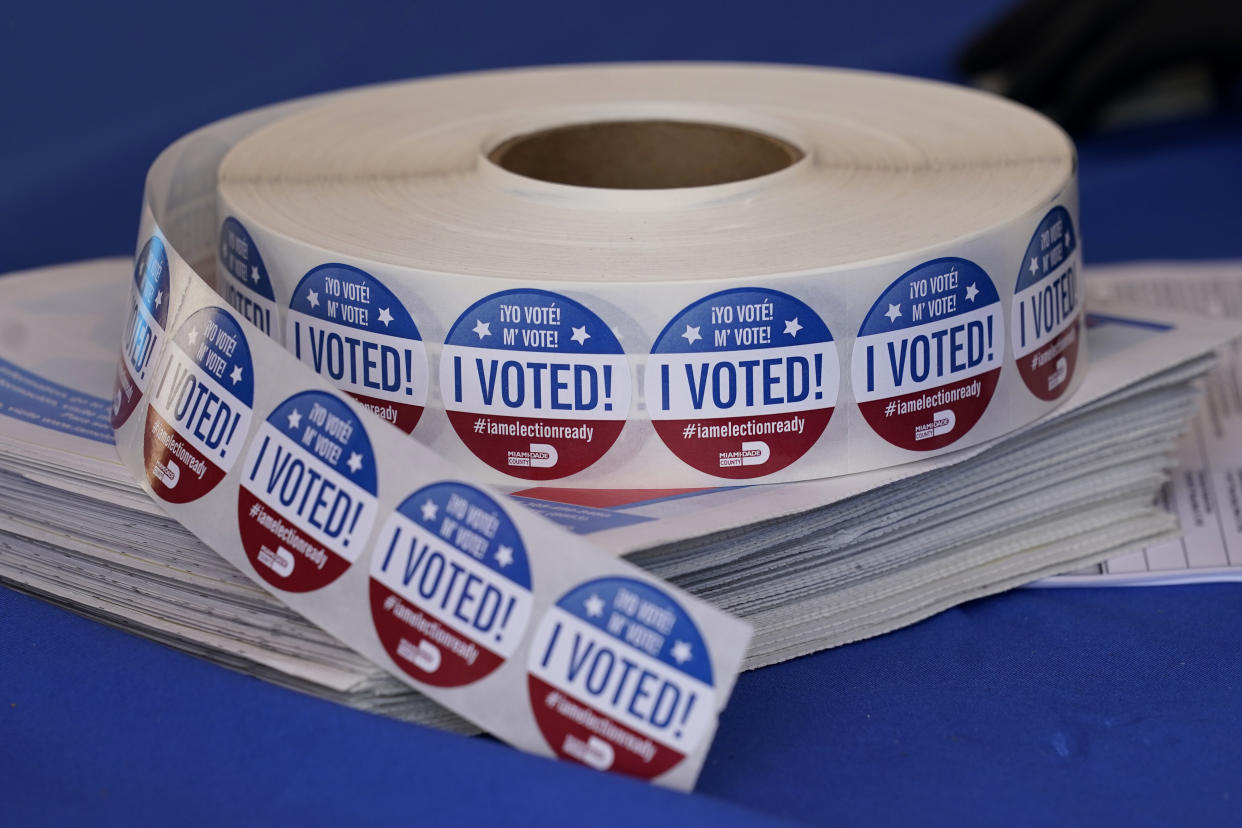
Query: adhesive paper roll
<point>668,275</point>
<point>617,276</point>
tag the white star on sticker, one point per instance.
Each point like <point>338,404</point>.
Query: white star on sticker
<point>580,335</point>
<point>385,316</point>
<point>681,652</point>
<point>1034,268</point>
<point>192,337</point>
<point>312,297</point>
<point>692,334</point>
<point>792,327</point>
<point>893,312</point>
<point>224,249</point>
<point>594,606</point>
<point>1067,240</point>
<point>254,273</point>
<point>429,510</point>
<point>354,462</point>
<point>159,297</point>
<point>504,556</point>
<point>295,419</point>
<point>482,328</point>
<point>971,292</point>
<point>236,376</point>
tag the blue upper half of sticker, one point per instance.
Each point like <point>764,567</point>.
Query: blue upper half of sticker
<point>741,319</point>
<point>240,258</point>
<point>151,279</point>
<point>329,431</point>
<point>347,296</point>
<point>214,340</point>
<point>533,320</point>
<point>933,291</point>
<point>1053,243</point>
<point>643,616</point>
<point>469,520</point>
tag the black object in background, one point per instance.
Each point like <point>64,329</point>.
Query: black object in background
<point>1091,63</point>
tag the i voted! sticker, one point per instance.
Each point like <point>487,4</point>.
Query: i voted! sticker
<point>349,328</point>
<point>307,497</point>
<point>743,382</point>
<point>620,678</point>
<point>535,384</point>
<point>450,585</point>
<point>242,277</point>
<point>144,330</point>
<point>1047,308</point>
<point>200,407</point>
<point>928,356</point>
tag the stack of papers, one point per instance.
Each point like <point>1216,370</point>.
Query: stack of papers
<point>812,564</point>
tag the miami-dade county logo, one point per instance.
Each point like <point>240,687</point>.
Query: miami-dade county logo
<point>620,678</point>
<point>349,328</point>
<point>928,355</point>
<point>450,585</point>
<point>1047,310</point>
<point>144,329</point>
<point>307,496</point>
<point>200,407</point>
<point>242,277</point>
<point>535,384</point>
<point>743,382</point>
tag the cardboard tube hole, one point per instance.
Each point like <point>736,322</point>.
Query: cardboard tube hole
<point>644,155</point>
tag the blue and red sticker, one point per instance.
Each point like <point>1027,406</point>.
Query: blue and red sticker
<point>308,493</point>
<point>200,406</point>
<point>243,278</point>
<point>450,585</point>
<point>350,329</point>
<point>144,329</point>
<point>928,355</point>
<point>743,382</point>
<point>1047,307</point>
<point>535,384</point>
<point>620,678</point>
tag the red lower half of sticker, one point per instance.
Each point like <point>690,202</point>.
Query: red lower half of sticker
<point>177,471</point>
<point>422,647</point>
<point>403,415</point>
<point>533,448</point>
<point>125,396</point>
<point>744,447</point>
<point>1047,370</point>
<point>283,555</point>
<point>575,730</point>
<point>934,418</point>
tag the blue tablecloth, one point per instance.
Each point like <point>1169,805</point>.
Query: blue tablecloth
<point>1035,707</point>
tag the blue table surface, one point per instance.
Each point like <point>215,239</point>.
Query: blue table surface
<point>1034,707</point>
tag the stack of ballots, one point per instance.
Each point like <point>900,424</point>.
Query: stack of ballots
<point>811,564</point>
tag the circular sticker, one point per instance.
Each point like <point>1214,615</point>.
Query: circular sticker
<point>743,382</point>
<point>1047,307</point>
<point>620,678</point>
<point>307,496</point>
<point>450,585</point>
<point>243,279</point>
<point>200,407</point>
<point>928,355</point>
<point>144,329</point>
<point>535,384</point>
<point>352,330</point>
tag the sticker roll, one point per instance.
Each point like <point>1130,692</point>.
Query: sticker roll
<point>628,276</point>
<point>613,276</point>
